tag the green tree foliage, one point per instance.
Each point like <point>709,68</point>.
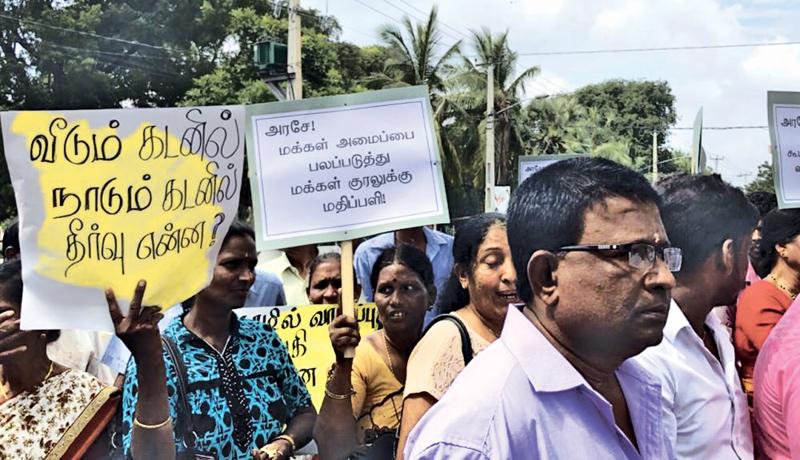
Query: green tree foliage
<point>88,54</point>
<point>417,55</point>
<point>764,181</point>
<point>83,54</point>
<point>509,88</point>
<point>634,109</point>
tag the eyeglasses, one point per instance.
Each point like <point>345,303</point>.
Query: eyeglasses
<point>640,255</point>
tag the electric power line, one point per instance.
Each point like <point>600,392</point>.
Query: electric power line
<point>665,48</point>
<point>421,19</point>
<point>81,32</point>
<point>440,21</point>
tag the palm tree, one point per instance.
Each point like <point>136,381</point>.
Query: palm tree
<point>508,94</point>
<point>415,50</point>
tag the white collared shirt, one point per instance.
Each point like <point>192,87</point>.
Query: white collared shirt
<point>705,410</point>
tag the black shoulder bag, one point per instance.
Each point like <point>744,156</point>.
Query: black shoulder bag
<point>184,423</point>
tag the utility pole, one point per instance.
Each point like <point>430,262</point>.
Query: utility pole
<point>294,57</point>
<point>716,160</point>
<point>655,156</point>
<point>746,176</point>
<point>489,165</point>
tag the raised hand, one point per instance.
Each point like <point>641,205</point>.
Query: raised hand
<point>344,334</point>
<point>12,340</point>
<point>139,330</point>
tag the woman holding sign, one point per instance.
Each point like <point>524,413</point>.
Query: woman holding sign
<point>361,411</point>
<point>233,390</point>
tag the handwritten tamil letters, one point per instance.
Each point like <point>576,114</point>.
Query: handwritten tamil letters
<point>108,197</point>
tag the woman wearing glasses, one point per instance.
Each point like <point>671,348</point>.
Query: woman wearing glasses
<point>474,303</point>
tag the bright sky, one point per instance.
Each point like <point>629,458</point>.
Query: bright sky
<point>730,84</point>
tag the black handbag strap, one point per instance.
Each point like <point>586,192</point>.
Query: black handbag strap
<point>466,344</point>
<point>184,424</point>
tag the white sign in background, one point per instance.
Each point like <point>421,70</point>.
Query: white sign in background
<point>787,134</point>
<point>329,170</point>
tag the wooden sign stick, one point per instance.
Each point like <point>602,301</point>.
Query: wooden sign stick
<point>348,287</point>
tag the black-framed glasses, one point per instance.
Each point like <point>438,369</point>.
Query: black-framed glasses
<point>640,255</point>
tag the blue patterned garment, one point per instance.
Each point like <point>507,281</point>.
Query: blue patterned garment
<point>239,399</point>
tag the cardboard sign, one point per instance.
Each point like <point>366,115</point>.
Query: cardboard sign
<point>343,167</point>
<point>109,197</point>
<point>531,164</point>
<point>784,133</point>
<point>304,330</point>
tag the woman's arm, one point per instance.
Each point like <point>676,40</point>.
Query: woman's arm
<point>152,428</point>
<point>336,431</point>
<point>414,407</point>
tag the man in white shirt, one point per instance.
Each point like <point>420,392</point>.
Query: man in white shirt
<point>705,410</point>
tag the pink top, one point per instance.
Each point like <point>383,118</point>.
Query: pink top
<point>751,277</point>
<point>776,409</point>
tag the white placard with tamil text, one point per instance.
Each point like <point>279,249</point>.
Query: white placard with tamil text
<point>784,123</point>
<point>343,167</point>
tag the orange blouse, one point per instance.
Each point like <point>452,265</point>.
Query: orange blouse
<point>759,309</point>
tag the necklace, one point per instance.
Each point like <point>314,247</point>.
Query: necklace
<point>388,355</point>
<point>49,372</point>
<point>792,293</point>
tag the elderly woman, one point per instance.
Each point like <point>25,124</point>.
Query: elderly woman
<point>325,280</point>
<point>361,411</point>
<point>763,303</point>
<point>475,302</point>
<point>48,410</point>
<point>233,391</point>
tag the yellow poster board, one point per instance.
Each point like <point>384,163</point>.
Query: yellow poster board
<point>304,330</point>
<point>110,197</point>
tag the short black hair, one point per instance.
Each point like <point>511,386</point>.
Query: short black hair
<point>412,258</point>
<point>547,211</point>
<point>763,201</point>
<point>779,226</point>
<point>11,236</point>
<point>11,281</point>
<point>11,289</point>
<point>700,213</point>
<point>469,237</point>
<point>239,228</point>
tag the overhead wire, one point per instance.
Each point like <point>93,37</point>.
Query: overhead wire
<point>81,32</point>
<point>657,49</point>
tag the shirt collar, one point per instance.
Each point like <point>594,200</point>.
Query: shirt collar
<point>435,241</point>
<point>534,352</point>
<point>676,322</point>
<point>183,334</point>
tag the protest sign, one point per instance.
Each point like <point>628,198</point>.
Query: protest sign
<point>109,197</point>
<point>343,167</point>
<point>531,164</point>
<point>304,330</point>
<point>501,197</point>
<point>784,133</point>
<point>698,152</point>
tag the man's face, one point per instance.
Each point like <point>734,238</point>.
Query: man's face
<point>605,304</point>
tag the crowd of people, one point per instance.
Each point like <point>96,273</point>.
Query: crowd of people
<point>601,318</point>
